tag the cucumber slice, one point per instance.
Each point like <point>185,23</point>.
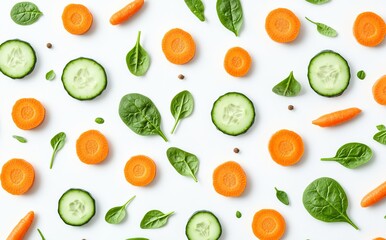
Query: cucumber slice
<point>84,78</point>
<point>203,225</point>
<point>76,207</point>
<point>17,58</point>
<point>328,74</point>
<point>233,113</point>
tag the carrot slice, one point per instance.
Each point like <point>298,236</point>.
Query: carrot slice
<point>268,224</point>
<point>178,46</point>
<point>140,170</point>
<point>92,147</point>
<point>336,118</point>
<point>286,147</point>
<point>77,19</point>
<point>126,12</point>
<point>22,227</point>
<point>379,90</point>
<point>28,113</point>
<point>379,238</point>
<point>374,196</point>
<point>282,25</point>
<point>237,62</point>
<point>369,29</point>
<point>229,179</point>
<point>17,176</point>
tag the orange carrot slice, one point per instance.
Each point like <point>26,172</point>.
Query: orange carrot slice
<point>374,196</point>
<point>336,118</point>
<point>178,46</point>
<point>369,29</point>
<point>77,19</point>
<point>379,90</point>
<point>286,147</point>
<point>268,224</point>
<point>140,170</point>
<point>237,62</point>
<point>126,12</point>
<point>28,113</point>
<point>282,25</point>
<point>229,179</point>
<point>22,227</point>
<point>17,176</point>
<point>92,147</point>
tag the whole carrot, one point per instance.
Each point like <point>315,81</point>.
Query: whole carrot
<point>22,227</point>
<point>338,117</point>
<point>126,12</point>
<point>374,196</point>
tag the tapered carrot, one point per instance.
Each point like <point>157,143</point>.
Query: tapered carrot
<point>22,227</point>
<point>336,118</point>
<point>374,196</point>
<point>126,12</point>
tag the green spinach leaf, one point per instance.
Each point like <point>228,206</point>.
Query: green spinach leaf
<point>282,196</point>
<point>238,214</point>
<point>197,8</point>
<point>185,163</point>
<point>50,75</point>
<point>230,13</point>
<point>20,139</point>
<point>325,200</point>
<point>41,234</point>
<point>57,143</point>
<point>116,214</point>
<point>352,155</point>
<point>289,87</point>
<point>99,120</point>
<point>324,29</point>
<point>361,74</point>
<point>25,13</point>
<point>381,135</point>
<point>155,219</point>
<point>318,2</point>
<point>140,114</point>
<point>138,60</point>
<point>181,107</point>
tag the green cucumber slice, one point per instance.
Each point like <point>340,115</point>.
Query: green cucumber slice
<point>203,225</point>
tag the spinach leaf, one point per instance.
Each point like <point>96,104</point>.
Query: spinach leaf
<point>138,60</point>
<point>318,2</point>
<point>140,114</point>
<point>324,29</point>
<point>230,14</point>
<point>361,74</point>
<point>50,75</point>
<point>25,13</point>
<point>352,155</point>
<point>155,219</point>
<point>197,8</point>
<point>289,87</point>
<point>41,234</point>
<point>282,196</point>
<point>20,139</point>
<point>138,238</point>
<point>238,214</point>
<point>181,107</point>
<point>381,135</point>
<point>99,120</point>
<point>116,214</point>
<point>325,200</point>
<point>185,163</point>
<point>57,143</point>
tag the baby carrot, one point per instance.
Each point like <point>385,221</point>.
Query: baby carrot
<point>22,227</point>
<point>336,118</point>
<point>126,12</point>
<point>374,196</point>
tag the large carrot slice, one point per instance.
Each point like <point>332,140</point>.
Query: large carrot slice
<point>229,179</point>
<point>336,118</point>
<point>282,25</point>
<point>22,227</point>
<point>77,19</point>
<point>237,62</point>
<point>17,176</point>
<point>268,224</point>
<point>369,29</point>
<point>379,90</point>
<point>140,170</point>
<point>126,12</point>
<point>178,46</point>
<point>92,147</point>
<point>28,113</point>
<point>374,196</point>
<point>286,147</point>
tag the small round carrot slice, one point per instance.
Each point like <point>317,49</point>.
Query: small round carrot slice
<point>140,170</point>
<point>282,25</point>
<point>229,179</point>
<point>92,147</point>
<point>178,46</point>
<point>17,176</point>
<point>237,62</point>
<point>268,224</point>
<point>379,90</point>
<point>369,29</point>
<point>28,113</point>
<point>286,147</point>
<point>77,19</point>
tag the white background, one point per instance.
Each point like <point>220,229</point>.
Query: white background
<point>206,79</point>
